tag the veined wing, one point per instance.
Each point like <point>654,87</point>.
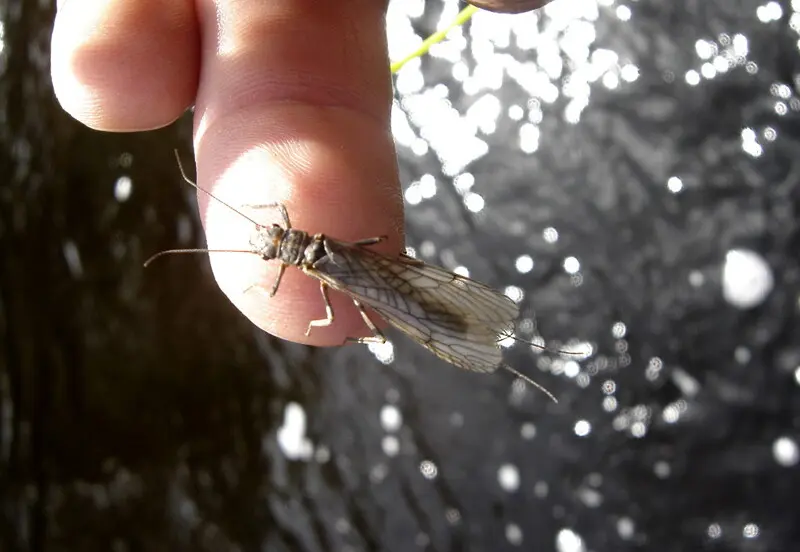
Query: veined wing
<point>458,319</point>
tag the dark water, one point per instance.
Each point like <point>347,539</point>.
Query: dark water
<point>139,411</point>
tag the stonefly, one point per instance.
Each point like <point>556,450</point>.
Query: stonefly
<point>456,318</point>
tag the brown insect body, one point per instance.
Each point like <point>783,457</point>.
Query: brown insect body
<point>289,246</point>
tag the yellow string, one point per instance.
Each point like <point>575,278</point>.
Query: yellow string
<point>435,38</point>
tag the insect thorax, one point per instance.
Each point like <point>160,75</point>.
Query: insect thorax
<point>292,247</point>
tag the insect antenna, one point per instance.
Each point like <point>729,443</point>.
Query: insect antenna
<point>191,183</point>
<point>530,381</point>
<point>542,347</point>
<point>194,251</point>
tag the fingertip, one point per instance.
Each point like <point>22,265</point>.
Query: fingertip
<point>346,189</point>
<point>293,107</point>
<point>125,65</point>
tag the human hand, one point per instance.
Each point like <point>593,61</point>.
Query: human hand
<point>292,102</point>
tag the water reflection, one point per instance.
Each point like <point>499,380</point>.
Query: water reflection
<point>624,175</point>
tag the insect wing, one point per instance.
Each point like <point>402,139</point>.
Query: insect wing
<point>458,319</point>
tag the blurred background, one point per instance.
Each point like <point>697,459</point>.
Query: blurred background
<point>626,170</point>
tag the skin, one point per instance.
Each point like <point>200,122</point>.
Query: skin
<point>292,101</point>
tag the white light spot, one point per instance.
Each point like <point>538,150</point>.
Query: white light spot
<point>123,188</point>
<point>610,81</point>
<point>785,451</point>
<point>391,418</point>
<point>515,113</point>
<point>708,70</point>
<point>771,11</point>
<point>571,368</point>
<point>797,375</point>
<point>671,414</point>
<point>550,235</point>
<point>342,526</point>
<point>623,13</point>
<point>514,534</point>
<point>516,294</point>
<point>696,278</point>
<point>714,531</point>
<point>427,186</point>
<point>384,352</point>
<point>742,354</point>
<point>484,112</point>
<point>413,195</point>
<point>619,329</point>
<point>590,497</point>
<point>568,540</point>
<point>750,531</point>
<point>662,469</point>
<point>419,147</point>
<point>740,45</point>
<point>610,404</point>
<point>460,71</point>
<point>453,516</point>
<point>378,473</point>
<point>528,431</point>
<point>292,434</point>
<point>508,477</point>
<point>705,49</point>
<point>524,264</point>
<point>753,149</point>
<point>722,64</point>
<point>427,249</point>
<point>461,271</point>
<point>474,202</point>
<point>629,73</point>
<point>674,184</point>
<point>73,258</point>
<point>746,279</point>
<point>390,445</point>
<point>692,77</point>
<point>572,265</point>
<point>322,455</point>
<point>638,429</point>
<point>582,428</point>
<point>464,182</point>
<point>428,469</point>
<point>529,135</point>
<point>625,528</point>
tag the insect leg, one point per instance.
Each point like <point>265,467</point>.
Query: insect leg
<point>376,337</point>
<point>279,206</point>
<point>370,241</point>
<point>274,290</point>
<point>328,320</point>
<point>281,269</point>
<point>330,254</point>
<point>413,261</point>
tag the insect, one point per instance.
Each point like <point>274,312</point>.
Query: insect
<point>456,318</point>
